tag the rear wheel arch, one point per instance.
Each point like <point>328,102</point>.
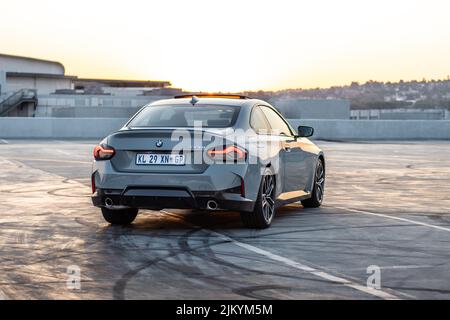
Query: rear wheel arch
<point>276,178</point>
<point>257,218</point>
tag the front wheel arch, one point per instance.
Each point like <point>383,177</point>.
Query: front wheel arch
<point>316,198</point>
<point>322,157</point>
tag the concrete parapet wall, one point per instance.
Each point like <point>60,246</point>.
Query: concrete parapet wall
<point>97,128</point>
<point>58,128</point>
<point>377,129</point>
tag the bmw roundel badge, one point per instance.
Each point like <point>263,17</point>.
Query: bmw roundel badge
<point>159,143</point>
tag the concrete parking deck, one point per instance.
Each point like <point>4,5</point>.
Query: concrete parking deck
<point>386,204</point>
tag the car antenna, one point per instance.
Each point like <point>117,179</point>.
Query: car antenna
<point>194,100</point>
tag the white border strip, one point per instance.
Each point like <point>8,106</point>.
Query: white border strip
<point>394,218</point>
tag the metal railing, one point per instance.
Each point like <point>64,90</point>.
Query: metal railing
<point>16,99</point>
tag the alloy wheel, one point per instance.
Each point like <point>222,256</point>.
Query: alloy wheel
<point>320,181</point>
<point>267,198</point>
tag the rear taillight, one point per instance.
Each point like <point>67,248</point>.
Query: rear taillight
<point>94,188</point>
<point>228,153</point>
<point>103,152</point>
<point>242,187</point>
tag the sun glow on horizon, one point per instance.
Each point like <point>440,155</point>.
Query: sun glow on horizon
<point>235,45</point>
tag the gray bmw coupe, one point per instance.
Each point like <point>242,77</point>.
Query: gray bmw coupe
<point>207,152</point>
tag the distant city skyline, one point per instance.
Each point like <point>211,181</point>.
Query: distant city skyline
<point>235,45</point>
<point>446,79</point>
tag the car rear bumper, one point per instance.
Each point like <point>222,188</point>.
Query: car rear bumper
<point>215,179</point>
<point>170,197</point>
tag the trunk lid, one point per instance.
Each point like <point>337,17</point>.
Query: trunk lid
<point>129,143</point>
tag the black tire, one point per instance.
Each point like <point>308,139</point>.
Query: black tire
<point>264,210</point>
<point>319,187</point>
<point>120,217</point>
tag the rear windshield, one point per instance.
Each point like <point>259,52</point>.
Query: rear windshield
<point>185,116</point>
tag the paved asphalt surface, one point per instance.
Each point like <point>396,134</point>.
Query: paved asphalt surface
<point>386,204</point>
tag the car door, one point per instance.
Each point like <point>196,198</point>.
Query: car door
<point>268,146</point>
<point>292,157</point>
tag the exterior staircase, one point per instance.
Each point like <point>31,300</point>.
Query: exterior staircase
<point>17,99</point>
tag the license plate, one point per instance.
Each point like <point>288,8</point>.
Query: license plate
<point>159,159</point>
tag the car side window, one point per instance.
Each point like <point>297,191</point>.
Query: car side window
<point>258,121</point>
<point>279,126</point>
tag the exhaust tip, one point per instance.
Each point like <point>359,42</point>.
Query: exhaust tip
<point>109,203</point>
<point>212,205</point>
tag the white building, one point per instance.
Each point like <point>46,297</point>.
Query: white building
<point>36,87</point>
<point>45,76</point>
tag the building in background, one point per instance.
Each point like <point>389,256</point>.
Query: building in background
<point>294,108</point>
<point>400,114</point>
<point>40,88</point>
<point>17,73</point>
<point>32,87</point>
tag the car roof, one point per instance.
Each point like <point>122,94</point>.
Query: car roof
<point>209,101</point>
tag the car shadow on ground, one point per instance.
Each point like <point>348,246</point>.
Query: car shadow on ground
<point>174,219</point>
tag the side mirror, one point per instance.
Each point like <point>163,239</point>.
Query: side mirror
<point>304,131</point>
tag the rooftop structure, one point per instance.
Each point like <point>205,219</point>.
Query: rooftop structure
<point>25,81</point>
<point>293,108</point>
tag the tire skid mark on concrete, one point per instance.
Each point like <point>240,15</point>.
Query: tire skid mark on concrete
<point>299,266</point>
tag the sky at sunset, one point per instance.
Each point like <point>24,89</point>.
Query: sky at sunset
<point>235,45</point>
